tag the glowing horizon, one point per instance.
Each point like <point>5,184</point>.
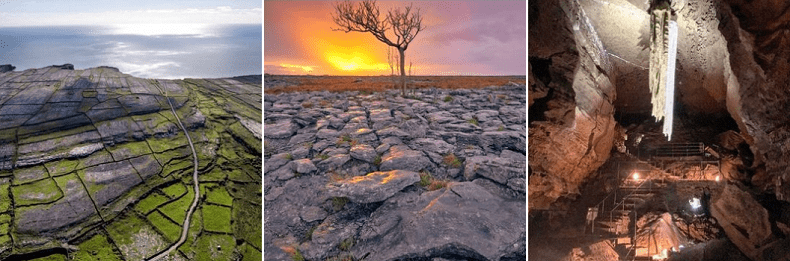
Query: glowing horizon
<point>461,38</point>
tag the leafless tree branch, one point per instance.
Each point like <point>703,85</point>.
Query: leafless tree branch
<point>365,17</point>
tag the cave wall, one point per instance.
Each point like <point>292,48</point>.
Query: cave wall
<point>759,46</point>
<point>564,151</point>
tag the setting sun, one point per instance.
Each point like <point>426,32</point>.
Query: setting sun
<point>354,61</point>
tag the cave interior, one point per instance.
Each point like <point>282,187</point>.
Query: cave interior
<point>605,183</point>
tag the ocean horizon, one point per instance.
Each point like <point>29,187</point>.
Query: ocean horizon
<point>146,51</point>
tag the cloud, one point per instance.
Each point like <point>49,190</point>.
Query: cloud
<point>148,70</point>
<point>474,38</point>
<point>216,15</point>
<point>289,69</point>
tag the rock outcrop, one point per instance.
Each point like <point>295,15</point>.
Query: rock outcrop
<point>757,44</point>
<point>743,219</point>
<point>573,132</point>
<point>6,68</point>
<point>87,155</point>
<point>392,167</point>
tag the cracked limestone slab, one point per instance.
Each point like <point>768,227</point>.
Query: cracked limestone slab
<point>106,182</point>
<point>373,187</point>
<point>75,207</point>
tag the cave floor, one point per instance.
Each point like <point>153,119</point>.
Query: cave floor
<point>564,235</point>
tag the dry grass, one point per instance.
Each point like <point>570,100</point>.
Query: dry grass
<point>431,183</point>
<point>452,161</point>
<point>381,83</point>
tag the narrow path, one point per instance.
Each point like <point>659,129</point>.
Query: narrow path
<point>185,227</point>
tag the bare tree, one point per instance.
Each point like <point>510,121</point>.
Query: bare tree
<point>365,17</point>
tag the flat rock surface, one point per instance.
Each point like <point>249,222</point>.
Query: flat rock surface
<point>374,149</point>
<point>483,226</point>
<point>83,149</point>
<point>373,187</point>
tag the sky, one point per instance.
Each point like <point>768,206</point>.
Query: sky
<point>16,13</point>
<point>147,38</point>
<point>461,38</point>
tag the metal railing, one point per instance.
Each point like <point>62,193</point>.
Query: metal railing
<point>680,150</point>
<point>620,204</point>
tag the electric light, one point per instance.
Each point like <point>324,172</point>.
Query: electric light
<point>694,202</point>
<point>717,178</point>
<point>636,175</point>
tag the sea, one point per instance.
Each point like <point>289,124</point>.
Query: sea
<point>161,51</point>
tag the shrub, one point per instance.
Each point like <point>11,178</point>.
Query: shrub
<point>297,256</point>
<point>425,179</point>
<point>437,184</point>
<point>288,156</point>
<point>501,128</point>
<point>346,244</point>
<point>294,253</point>
<point>377,161</point>
<point>338,203</point>
<point>345,138</point>
<point>452,161</point>
<point>472,121</point>
<point>309,234</point>
<point>448,98</point>
<point>430,183</point>
<point>323,156</point>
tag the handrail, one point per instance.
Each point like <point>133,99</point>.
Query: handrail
<point>630,249</point>
<point>622,202</point>
<point>680,149</point>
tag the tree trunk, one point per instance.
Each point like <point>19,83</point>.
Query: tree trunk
<point>402,72</point>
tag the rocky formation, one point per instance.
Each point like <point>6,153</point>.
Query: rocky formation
<point>571,129</point>
<point>436,174</point>
<point>732,66</point>
<point>759,59</point>
<point>750,231</point>
<point>87,154</point>
<point>6,68</point>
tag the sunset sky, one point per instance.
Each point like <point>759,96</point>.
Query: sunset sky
<point>461,38</point>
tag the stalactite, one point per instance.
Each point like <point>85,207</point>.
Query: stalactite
<point>669,96</point>
<point>663,50</point>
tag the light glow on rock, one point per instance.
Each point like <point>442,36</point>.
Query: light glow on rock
<point>669,96</point>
